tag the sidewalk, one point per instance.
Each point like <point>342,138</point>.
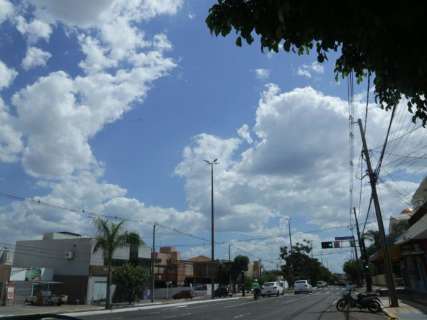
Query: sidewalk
<point>406,311</point>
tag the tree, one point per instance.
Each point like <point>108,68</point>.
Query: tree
<point>110,236</point>
<point>353,270</point>
<point>134,240</point>
<point>238,267</point>
<point>130,278</point>
<point>384,40</point>
<point>299,265</point>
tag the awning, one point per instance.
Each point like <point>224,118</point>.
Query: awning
<point>416,231</point>
<point>379,255</point>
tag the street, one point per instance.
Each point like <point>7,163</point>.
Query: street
<point>319,305</point>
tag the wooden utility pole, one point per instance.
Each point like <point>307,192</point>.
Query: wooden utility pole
<point>363,254</point>
<point>387,259</point>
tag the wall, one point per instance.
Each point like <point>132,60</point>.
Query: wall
<point>51,254</point>
<point>75,287</point>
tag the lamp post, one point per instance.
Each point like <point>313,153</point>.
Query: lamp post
<point>211,164</point>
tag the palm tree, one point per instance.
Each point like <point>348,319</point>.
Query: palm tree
<point>134,240</point>
<point>110,236</point>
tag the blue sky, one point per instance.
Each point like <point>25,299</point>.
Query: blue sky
<point>112,108</point>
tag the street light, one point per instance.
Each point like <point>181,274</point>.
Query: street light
<point>211,164</point>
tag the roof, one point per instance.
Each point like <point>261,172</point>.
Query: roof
<point>418,230</point>
<point>379,255</point>
<point>200,259</point>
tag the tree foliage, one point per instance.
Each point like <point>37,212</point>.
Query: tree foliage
<point>372,37</point>
<point>110,236</point>
<point>130,279</point>
<point>299,264</point>
<point>353,270</point>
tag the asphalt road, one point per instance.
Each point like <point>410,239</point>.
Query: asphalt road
<point>317,306</point>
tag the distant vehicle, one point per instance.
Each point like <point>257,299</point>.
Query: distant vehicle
<point>222,292</point>
<point>321,284</point>
<point>184,294</point>
<point>284,284</point>
<point>302,286</point>
<point>271,289</point>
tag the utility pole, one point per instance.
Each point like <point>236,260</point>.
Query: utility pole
<point>153,259</point>
<point>387,259</point>
<point>363,255</point>
<point>290,233</point>
<point>229,252</point>
<point>211,164</point>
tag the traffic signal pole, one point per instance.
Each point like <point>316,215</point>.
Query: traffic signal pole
<point>387,258</point>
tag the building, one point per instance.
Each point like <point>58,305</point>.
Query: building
<point>171,269</point>
<point>204,269</point>
<point>254,270</point>
<point>413,244</point>
<point>6,259</point>
<point>78,272</point>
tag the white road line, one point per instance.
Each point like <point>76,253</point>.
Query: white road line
<point>238,305</point>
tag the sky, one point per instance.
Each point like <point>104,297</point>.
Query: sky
<point>109,107</point>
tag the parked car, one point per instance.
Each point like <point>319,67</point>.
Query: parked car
<point>302,286</point>
<point>321,284</point>
<point>184,294</point>
<point>271,289</point>
<point>222,292</point>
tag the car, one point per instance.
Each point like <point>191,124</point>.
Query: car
<point>222,292</point>
<point>271,289</point>
<point>302,286</point>
<point>184,294</point>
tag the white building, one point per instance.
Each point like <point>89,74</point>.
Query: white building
<point>80,272</point>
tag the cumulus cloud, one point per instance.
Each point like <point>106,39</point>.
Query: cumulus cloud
<point>7,75</point>
<point>35,57</point>
<point>308,70</point>
<point>6,10</point>
<point>34,30</point>
<point>244,133</point>
<point>262,74</point>
<point>10,138</point>
<point>81,13</point>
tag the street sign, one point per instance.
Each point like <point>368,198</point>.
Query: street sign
<point>344,238</point>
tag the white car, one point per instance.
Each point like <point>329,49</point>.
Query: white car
<point>271,289</point>
<point>302,286</point>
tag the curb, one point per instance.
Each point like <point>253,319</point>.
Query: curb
<point>145,307</point>
<point>390,315</point>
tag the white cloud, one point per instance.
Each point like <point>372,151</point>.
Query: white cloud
<point>83,14</point>
<point>303,72</point>
<point>7,75</point>
<point>307,70</point>
<point>35,57</point>
<point>298,164</point>
<point>35,30</point>
<point>10,138</point>
<point>6,10</point>
<point>244,133</point>
<point>262,74</point>
<point>86,192</point>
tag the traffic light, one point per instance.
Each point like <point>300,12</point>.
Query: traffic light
<point>327,245</point>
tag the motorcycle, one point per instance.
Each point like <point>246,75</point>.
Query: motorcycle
<point>257,293</point>
<point>362,301</point>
